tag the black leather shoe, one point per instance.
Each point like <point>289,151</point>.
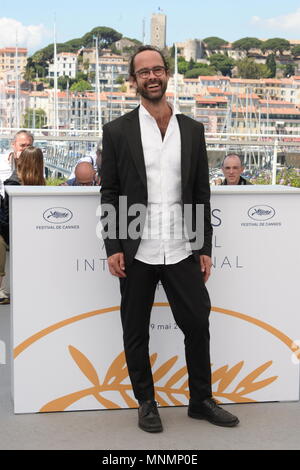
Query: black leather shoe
<point>149,419</point>
<point>208,409</point>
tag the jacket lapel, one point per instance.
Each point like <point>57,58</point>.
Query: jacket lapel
<point>133,134</point>
<point>186,148</point>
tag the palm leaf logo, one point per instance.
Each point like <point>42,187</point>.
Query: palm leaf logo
<point>168,391</point>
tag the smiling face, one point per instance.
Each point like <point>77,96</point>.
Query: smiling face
<point>153,87</point>
<point>232,169</point>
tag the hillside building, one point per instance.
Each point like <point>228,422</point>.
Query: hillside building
<point>8,57</point>
<point>66,65</point>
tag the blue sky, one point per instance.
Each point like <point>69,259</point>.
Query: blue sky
<point>187,19</point>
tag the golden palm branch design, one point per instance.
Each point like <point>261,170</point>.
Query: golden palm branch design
<point>176,385</point>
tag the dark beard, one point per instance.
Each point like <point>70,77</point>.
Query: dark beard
<point>154,99</point>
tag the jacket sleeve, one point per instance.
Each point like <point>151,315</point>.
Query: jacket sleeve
<point>4,212</point>
<point>202,192</point>
<point>110,192</point>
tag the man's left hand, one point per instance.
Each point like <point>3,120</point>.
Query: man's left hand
<point>205,264</point>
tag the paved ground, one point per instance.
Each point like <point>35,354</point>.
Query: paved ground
<point>262,426</point>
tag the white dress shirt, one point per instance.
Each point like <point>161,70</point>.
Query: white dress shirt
<point>163,240</point>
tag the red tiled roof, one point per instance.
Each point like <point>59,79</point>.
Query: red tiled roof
<point>13,49</point>
<point>204,78</point>
<point>39,93</point>
<point>212,100</point>
<point>212,89</point>
<point>67,53</point>
<point>249,96</point>
<point>275,81</point>
<point>196,80</point>
<point>280,111</point>
<point>279,102</point>
<point>244,80</point>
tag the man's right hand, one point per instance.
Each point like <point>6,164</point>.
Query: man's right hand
<point>116,264</point>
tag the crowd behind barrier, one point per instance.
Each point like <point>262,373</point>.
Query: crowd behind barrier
<point>28,169</point>
<point>87,172</point>
<point>23,166</point>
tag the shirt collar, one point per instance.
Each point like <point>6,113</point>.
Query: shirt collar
<point>145,112</point>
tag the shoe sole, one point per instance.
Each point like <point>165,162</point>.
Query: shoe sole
<point>152,430</point>
<point>230,424</point>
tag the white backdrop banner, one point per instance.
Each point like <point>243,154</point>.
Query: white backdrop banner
<point>67,338</point>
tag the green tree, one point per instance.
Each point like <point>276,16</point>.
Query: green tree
<point>289,70</point>
<point>222,63</point>
<point>192,64</point>
<point>213,43</point>
<point>63,82</point>
<point>271,64</point>
<point>120,80</point>
<point>71,46</point>
<point>183,65</point>
<point>264,71</point>
<point>55,181</point>
<point>247,43</point>
<point>248,68</point>
<point>296,51</point>
<point>30,70</point>
<point>276,45</point>
<point>201,69</point>
<point>81,86</point>
<point>34,69</point>
<point>105,35</point>
<point>81,76</point>
<point>34,118</point>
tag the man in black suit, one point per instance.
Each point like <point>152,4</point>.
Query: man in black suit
<point>156,159</point>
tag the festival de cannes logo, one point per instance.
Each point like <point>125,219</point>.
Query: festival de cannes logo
<point>235,383</point>
<point>57,215</point>
<point>261,213</point>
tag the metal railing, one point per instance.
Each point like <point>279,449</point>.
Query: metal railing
<point>63,148</point>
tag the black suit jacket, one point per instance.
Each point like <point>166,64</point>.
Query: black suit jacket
<point>123,173</point>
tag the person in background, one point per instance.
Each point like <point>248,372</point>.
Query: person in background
<point>29,171</point>
<point>232,168</point>
<point>95,162</point>
<point>85,175</point>
<point>217,181</point>
<point>99,161</point>
<point>21,140</point>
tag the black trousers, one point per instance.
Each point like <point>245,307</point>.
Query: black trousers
<point>190,304</point>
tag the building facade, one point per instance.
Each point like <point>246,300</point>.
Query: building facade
<point>8,58</point>
<point>66,65</point>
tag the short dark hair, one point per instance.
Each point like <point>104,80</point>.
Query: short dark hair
<point>142,49</point>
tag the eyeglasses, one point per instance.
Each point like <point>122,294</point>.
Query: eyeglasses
<point>157,71</point>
